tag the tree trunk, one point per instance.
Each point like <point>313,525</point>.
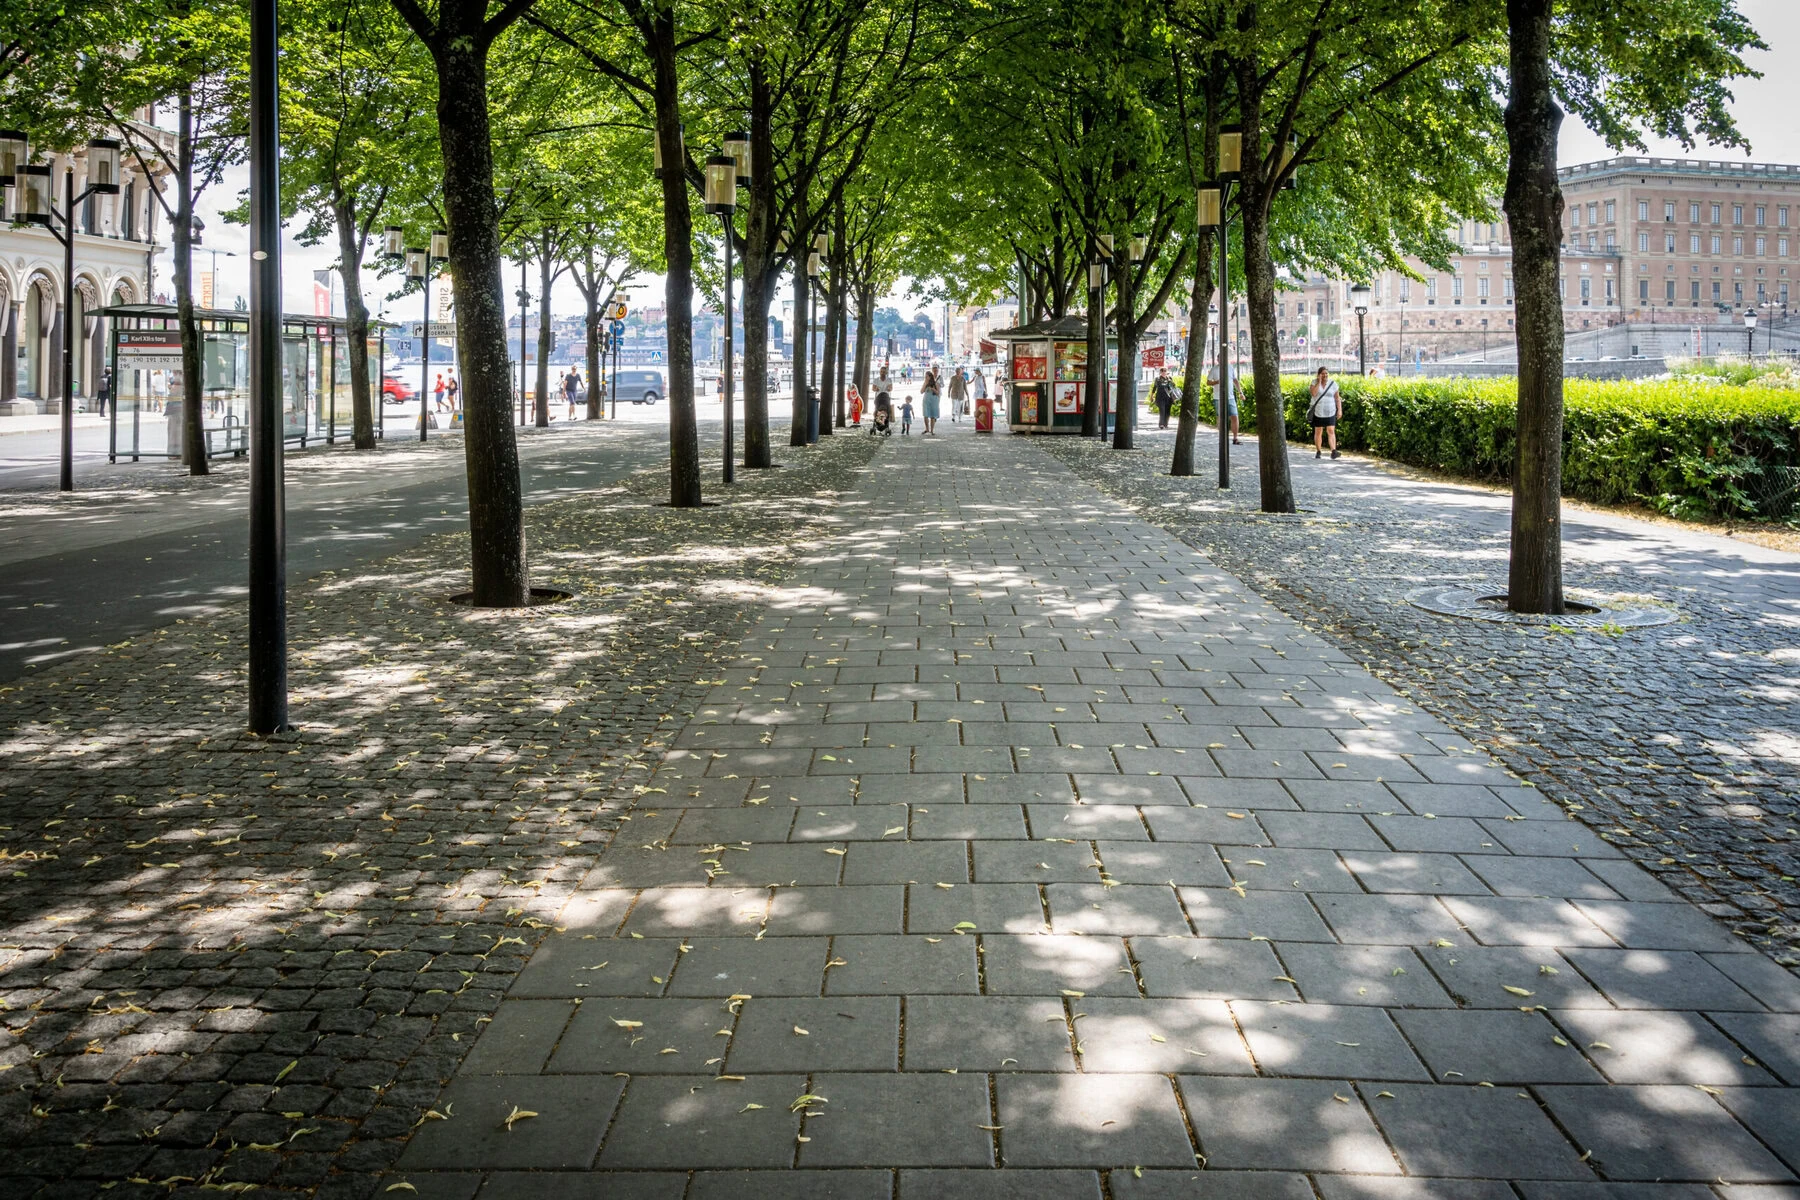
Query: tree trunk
<point>759,380</point>
<point>1125,411</point>
<point>356,318</point>
<point>797,433</point>
<point>595,401</point>
<point>1259,280</point>
<point>1194,369</point>
<point>497,559</point>
<point>759,281</point>
<point>546,336</point>
<point>865,342</point>
<point>1534,208</point>
<point>193,418</point>
<point>678,253</point>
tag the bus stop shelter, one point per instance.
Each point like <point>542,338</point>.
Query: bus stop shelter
<point>147,380</point>
<point>1046,383</point>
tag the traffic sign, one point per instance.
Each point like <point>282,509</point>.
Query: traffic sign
<point>439,329</point>
<point>1301,340</point>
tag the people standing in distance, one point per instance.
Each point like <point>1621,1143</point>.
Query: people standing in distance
<point>929,397</point>
<point>959,394</point>
<point>1327,405</point>
<point>437,394</point>
<point>1165,398</point>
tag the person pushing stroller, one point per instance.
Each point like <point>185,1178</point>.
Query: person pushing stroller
<point>883,425</point>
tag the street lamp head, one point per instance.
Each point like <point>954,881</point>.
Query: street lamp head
<point>1105,242</point>
<point>393,241</point>
<point>1209,207</point>
<point>737,144</point>
<point>103,166</point>
<point>1749,318</point>
<point>1096,275</point>
<point>1287,157</point>
<point>822,245</point>
<point>812,265</point>
<point>440,245</point>
<point>1359,298</point>
<point>32,203</point>
<point>415,264</point>
<point>781,242</point>
<point>15,151</point>
<point>721,185</point>
<point>1138,245</point>
<point>1231,151</point>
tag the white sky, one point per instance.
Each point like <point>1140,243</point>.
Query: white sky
<point>1760,107</point>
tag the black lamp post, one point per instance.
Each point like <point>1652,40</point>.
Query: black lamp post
<point>721,200</point>
<point>33,205</point>
<point>268,496</point>
<point>419,265</point>
<point>1359,303</point>
<point>1750,332</point>
<point>1215,202</point>
<point>812,373</point>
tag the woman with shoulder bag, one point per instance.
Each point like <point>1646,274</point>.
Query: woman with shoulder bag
<point>1327,404</point>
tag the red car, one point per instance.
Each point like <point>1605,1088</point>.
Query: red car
<point>394,390</point>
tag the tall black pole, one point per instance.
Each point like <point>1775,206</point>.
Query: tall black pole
<point>268,503</point>
<point>66,474</point>
<point>425,367</point>
<point>730,472</point>
<point>1362,345</point>
<point>812,370</point>
<point>524,299</point>
<point>1225,381</point>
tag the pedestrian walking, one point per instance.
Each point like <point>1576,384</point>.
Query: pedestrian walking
<point>1327,404</point>
<point>929,397</point>
<point>437,394</point>
<point>452,390</point>
<point>1230,402</point>
<point>906,418</point>
<point>103,397</point>
<point>959,395</point>
<point>883,383</point>
<point>1165,398</point>
<point>980,385</point>
<point>570,385</point>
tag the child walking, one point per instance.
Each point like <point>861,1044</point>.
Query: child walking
<point>906,418</point>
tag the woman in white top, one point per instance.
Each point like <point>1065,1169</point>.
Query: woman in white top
<point>1327,404</point>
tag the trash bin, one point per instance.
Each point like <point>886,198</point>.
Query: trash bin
<point>984,414</point>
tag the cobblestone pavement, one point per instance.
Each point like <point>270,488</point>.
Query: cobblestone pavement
<point>237,964</point>
<point>1020,851</point>
<point>1680,744</point>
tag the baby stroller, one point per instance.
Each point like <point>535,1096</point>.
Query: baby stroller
<point>883,425</point>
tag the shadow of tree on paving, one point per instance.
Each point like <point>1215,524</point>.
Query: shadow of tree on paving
<point>226,960</point>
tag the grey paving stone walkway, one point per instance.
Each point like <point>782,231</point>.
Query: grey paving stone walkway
<point>1025,852</point>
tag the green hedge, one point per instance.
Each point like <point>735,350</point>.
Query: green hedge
<point>1684,448</point>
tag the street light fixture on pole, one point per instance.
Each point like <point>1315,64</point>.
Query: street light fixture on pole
<point>33,205</point>
<point>1359,303</point>
<point>1215,203</point>
<point>1750,332</point>
<point>721,200</point>
<point>268,497</point>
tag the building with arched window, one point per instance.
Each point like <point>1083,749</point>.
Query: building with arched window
<point>116,241</point>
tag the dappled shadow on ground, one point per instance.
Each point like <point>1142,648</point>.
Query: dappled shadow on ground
<point>230,960</point>
<point>1676,742</point>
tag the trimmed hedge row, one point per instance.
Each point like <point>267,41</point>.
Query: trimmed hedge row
<point>1683,448</point>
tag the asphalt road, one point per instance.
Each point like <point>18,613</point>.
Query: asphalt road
<point>60,605</point>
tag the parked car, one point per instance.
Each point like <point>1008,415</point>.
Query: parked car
<point>395,390</point>
<point>640,387</point>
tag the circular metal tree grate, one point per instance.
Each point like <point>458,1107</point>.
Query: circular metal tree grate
<point>1585,610</point>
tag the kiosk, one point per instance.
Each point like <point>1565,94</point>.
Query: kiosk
<point>1045,387</point>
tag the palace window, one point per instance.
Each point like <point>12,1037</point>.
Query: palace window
<point>1762,214</point>
<point>1694,212</point>
<point>1644,210</point>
